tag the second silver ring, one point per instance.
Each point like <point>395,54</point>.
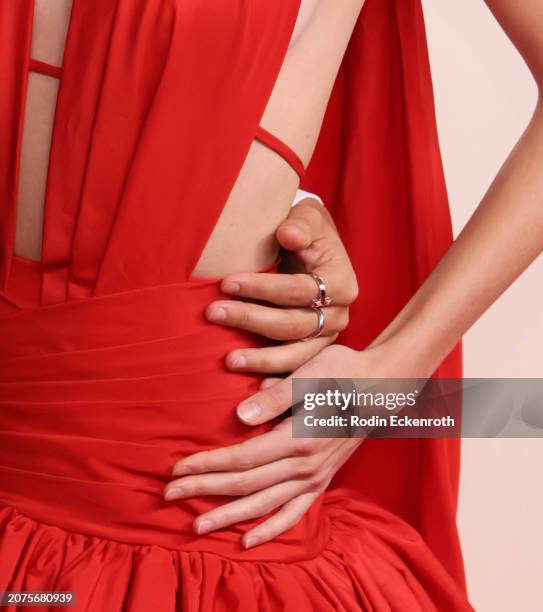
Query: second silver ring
<point>321,320</point>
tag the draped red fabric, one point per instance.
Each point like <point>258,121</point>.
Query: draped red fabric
<point>378,166</point>
<point>109,372</point>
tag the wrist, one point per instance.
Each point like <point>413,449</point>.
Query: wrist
<point>407,354</point>
<point>418,333</point>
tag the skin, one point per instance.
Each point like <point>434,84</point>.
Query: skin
<point>311,244</point>
<point>266,186</point>
<point>244,237</point>
<point>503,237</point>
<point>49,34</point>
<point>263,192</point>
<point>505,234</point>
<point>260,199</point>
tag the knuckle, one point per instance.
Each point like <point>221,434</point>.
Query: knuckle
<point>343,319</point>
<point>287,360</point>
<point>303,447</point>
<point>289,364</point>
<point>203,463</point>
<point>279,400</point>
<point>243,458</point>
<point>244,317</point>
<point>193,487</point>
<point>244,485</point>
<point>263,506</point>
<point>352,291</point>
<point>295,291</point>
<point>291,328</point>
<point>226,517</point>
<point>314,481</point>
<point>262,362</point>
<point>327,340</point>
<point>306,467</point>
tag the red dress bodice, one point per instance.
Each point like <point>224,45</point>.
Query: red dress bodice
<point>109,371</point>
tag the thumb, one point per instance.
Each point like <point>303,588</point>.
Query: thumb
<point>302,227</point>
<point>267,404</point>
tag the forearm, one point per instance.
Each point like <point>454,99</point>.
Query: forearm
<point>502,238</point>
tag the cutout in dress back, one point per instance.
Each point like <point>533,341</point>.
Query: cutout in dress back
<point>49,28</point>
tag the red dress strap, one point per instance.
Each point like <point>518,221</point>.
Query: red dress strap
<point>44,68</point>
<point>282,149</point>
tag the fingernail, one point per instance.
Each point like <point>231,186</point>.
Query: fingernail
<point>205,526</point>
<point>231,287</point>
<point>252,541</point>
<point>181,470</point>
<point>239,362</point>
<point>249,412</point>
<point>173,493</point>
<point>217,314</point>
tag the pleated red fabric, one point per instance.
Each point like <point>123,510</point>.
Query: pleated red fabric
<point>109,372</point>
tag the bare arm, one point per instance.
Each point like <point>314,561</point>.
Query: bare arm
<point>244,238</point>
<point>502,238</point>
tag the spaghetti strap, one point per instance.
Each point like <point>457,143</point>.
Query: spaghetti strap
<point>36,65</point>
<point>109,355</point>
<point>282,149</point>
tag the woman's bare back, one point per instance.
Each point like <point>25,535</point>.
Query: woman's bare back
<point>48,38</point>
<point>244,236</point>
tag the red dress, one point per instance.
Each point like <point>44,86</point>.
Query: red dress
<point>109,372</point>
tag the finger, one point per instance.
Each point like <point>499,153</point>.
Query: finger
<point>273,401</point>
<point>267,404</point>
<point>270,381</point>
<point>294,289</point>
<point>297,289</point>
<point>251,453</point>
<point>320,251</point>
<point>293,510</point>
<point>250,507</point>
<point>283,520</point>
<point>304,224</point>
<point>328,259</point>
<point>242,483</point>
<point>276,399</point>
<point>277,359</point>
<point>276,323</point>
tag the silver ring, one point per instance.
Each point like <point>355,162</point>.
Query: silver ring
<point>320,323</point>
<point>321,300</point>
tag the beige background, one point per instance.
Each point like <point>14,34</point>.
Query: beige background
<point>484,97</point>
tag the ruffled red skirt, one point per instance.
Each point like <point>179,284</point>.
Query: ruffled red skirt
<point>109,372</point>
<point>370,561</point>
<point>98,398</point>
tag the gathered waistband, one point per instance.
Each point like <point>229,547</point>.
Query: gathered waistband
<point>98,399</point>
